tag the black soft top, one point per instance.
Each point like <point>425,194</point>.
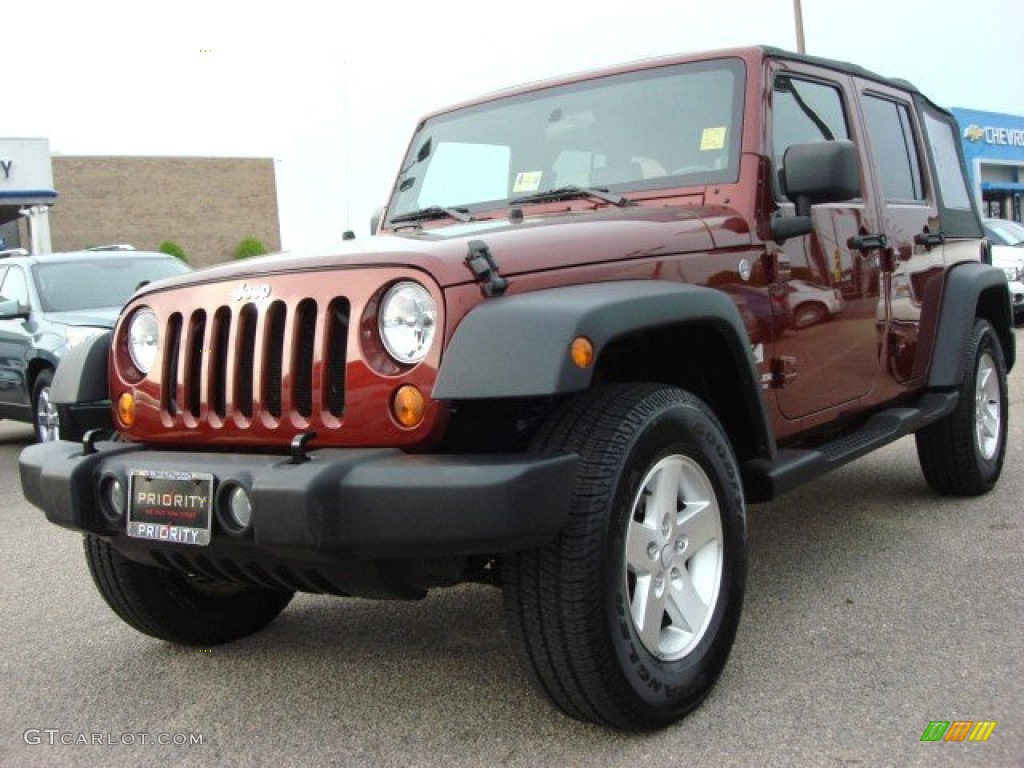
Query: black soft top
<point>956,222</point>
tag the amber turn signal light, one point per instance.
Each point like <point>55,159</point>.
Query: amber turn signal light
<point>408,406</point>
<point>126,409</point>
<point>582,352</point>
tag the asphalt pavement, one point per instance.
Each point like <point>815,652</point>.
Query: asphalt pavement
<point>873,608</point>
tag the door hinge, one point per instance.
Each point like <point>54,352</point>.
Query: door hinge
<point>783,371</point>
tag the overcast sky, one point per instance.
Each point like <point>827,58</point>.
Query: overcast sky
<point>332,90</point>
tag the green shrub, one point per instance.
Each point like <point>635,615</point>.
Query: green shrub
<point>173,249</point>
<point>248,247</point>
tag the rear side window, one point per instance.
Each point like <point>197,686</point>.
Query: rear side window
<point>943,144</point>
<point>895,149</point>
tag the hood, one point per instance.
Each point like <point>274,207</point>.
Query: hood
<point>536,243</point>
<point>1007,255</point>
<point>99,317</point>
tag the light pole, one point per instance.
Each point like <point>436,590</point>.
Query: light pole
<point>798,17</point>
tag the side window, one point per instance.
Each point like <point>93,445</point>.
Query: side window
<point>805,111</point>
<point>14,286</point>
<point>942,141</point>
<point>895,150</point>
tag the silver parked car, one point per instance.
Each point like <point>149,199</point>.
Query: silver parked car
<point>811,303</point>
<point>1007,239</point>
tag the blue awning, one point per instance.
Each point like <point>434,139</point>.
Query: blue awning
<point>1002,186</point>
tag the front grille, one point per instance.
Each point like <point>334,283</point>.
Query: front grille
<point>253,361</point>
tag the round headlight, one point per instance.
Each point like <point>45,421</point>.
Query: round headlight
<point>143,335</point>
<point>407,322</point>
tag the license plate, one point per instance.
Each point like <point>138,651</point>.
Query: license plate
<point>175,507</point>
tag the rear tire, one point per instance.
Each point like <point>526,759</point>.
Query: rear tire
<point>627,619</point>
<point>962,455</point>
<point>178,608</point>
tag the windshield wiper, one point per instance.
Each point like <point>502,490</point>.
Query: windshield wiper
<point>572,192</point>
<point>432,212</point>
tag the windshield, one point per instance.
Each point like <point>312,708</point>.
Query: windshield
<point>664,127</point>
<point>1003,232</point>
<point>103,282</point>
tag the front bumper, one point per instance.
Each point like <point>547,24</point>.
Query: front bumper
<point>341,505</point>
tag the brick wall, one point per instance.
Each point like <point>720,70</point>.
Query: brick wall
<point>205,205</point>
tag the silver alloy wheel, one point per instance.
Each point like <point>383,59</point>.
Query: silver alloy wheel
<point>674,557</point>
<point>47,420</point>
<point>987,407</point>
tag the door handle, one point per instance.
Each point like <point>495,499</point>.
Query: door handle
<point>929,239</point>
<point>868,242</point>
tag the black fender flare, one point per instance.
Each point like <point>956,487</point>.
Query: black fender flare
<point>518,345</point>
<point>81,376</point>
<point>967,285</point>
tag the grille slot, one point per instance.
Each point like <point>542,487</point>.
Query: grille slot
<point>246,359</point>
<point>171,364</point>
<point>302,369</point>
<point>194,364</point>
<point>273,358</point>
<point>219,361</point>
<point>334,370</point>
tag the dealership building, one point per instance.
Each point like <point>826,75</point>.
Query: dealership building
<point>205,205</point>
<point>994,150</point>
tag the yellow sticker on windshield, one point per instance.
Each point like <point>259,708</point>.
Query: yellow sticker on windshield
<point>712,138</point>
<point>527,181</point>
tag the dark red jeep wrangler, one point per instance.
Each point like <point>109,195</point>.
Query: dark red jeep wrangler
<point>598,317</point>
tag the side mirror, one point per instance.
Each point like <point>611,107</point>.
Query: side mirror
<point>10,309</point>
<point>815,173</point>
<point>820,172</point>
<point>375,220</point>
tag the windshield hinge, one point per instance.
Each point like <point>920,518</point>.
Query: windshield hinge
<point>485,269</point>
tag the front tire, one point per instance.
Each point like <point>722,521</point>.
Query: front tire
<point>177,608</point>
<point>809,313</point>
<point>627,619</point>
<point>44,411</point>
<point>962,454</point>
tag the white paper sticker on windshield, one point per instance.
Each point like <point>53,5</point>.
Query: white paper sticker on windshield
<point>527,181</point>
<point>712,138</point>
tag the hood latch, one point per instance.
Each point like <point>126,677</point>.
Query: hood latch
<point>485,269</point>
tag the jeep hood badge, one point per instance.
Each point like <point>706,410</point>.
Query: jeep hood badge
<point>251,292</point>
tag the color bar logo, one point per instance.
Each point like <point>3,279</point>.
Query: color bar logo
<point>958,730</point>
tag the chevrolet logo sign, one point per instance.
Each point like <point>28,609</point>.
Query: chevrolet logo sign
<point>974,133</point>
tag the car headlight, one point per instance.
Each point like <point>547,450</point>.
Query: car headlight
<point>1012,273</point>
<point>143,336</point>
<point>76,334</point>
<point>407,321</point>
